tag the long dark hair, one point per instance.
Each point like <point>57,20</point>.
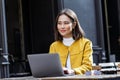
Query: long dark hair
<point>77,32</point>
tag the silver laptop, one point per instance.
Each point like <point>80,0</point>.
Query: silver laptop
<point>45,65</point>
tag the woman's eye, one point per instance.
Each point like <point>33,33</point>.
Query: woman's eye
<point>63,23</point>
<point>59,23</point>
<point>66,22</point>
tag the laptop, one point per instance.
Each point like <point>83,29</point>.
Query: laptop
<point>45,65</point>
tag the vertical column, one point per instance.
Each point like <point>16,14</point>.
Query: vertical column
<point>4,65</point>
<point>118,1</point>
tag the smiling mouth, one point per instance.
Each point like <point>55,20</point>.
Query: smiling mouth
<point>62,31</point>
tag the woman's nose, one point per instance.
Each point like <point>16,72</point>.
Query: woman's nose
<point>62,26</point>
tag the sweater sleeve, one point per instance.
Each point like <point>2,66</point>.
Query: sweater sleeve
<point>87,59</point>
<point>52,49</point>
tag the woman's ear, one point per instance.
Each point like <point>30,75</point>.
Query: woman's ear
<point>74,24</point>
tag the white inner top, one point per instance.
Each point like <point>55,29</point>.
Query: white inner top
<point>68,42</point>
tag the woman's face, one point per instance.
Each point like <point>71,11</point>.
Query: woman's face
<point>64,26</point>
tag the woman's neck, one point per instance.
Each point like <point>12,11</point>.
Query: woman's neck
<point>68,41</point>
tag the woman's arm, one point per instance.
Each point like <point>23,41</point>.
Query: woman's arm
<point>87,59</point>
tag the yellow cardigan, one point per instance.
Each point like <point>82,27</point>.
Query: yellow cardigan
<point>80,54</point>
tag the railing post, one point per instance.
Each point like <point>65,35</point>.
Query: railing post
<point>4,70</point>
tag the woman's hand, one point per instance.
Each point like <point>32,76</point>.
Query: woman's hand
<point>68,71</point>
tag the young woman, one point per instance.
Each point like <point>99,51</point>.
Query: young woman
<point>74,49</point>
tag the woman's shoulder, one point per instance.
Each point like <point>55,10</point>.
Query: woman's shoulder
<point>56,42</point>
<point>84,39</point>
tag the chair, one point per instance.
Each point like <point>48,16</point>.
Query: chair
<point>18,67</point>
<point>98,55</point>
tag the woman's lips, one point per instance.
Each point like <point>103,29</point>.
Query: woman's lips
<point>62,31</point>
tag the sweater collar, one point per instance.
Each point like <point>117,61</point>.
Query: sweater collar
<point>68,41</point>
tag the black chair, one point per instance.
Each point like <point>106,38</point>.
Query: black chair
<point>98,55</point>
<point>15,65</point>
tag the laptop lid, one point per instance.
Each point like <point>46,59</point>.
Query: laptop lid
<point>45,65</point>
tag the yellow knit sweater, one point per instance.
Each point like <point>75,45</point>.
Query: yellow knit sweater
<point>80,54</point>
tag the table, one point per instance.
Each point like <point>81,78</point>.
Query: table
<point>76,77</point>
<point>84,77</point>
